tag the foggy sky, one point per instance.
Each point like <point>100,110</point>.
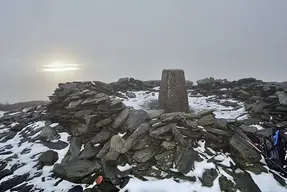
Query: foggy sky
<point>110,39</point>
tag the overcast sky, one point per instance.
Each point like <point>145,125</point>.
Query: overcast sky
<point>109,39</point>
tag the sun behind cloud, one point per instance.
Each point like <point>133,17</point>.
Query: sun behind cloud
<point>58,66</point>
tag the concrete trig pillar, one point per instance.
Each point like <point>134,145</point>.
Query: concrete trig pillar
<point>173,92</point>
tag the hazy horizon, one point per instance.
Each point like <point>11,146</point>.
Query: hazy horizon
<point>47,42</point>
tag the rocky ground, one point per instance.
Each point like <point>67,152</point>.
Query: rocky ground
<point>115,130</point>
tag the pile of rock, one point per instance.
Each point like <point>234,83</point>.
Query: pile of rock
<point>23,117</point>
<point>150,140</point>
<point>131,84</point>
<point>266,102</point>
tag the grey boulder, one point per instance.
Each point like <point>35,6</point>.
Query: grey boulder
<point>75,171</point>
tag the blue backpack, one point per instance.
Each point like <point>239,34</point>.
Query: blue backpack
<point>274,151</point>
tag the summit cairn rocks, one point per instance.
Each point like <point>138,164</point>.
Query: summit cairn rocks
<point>173,92</point>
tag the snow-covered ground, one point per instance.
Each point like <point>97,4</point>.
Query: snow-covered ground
<point>2,113</point>
<point>265,181</point>
<point>196,103</point>
<point>27,154</point>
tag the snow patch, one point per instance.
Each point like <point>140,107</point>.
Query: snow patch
<point>125,168</point>
<point>2,113</point>
<point>259,127</point>
<point>167,185</point>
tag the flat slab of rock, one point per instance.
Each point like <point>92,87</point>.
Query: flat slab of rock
<point>136,117</point>
<point>207,120</point>
<point>75,171</point>
<point>144,155</point>
<point>185,160</point>
<point>161,130</point>
<point>102,136</point>
<point>156,113</point>
<point>244,182</point>
<point>89,152</point>
<point>100,97</point>
<point>243,148</point>
<point>178,136</point>
<point>141,130</point>
<point>121,118</point>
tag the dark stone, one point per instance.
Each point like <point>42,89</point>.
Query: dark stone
<point>75,146</point>
<point>191,124</point>
<point>144,155</point>
<point>221,123</point>
<point>131,94</point>
<point>10,135</point>
<point>247,128</point>
<point>103,122</point>
<point>102,136</point>
<point>109,172</point>
<point>255,98</point>
<point>156,113</point>
<point>279,179</point>
<point>135,119</point>
<point>105,187</point>
<point>243,148</point>
<point>256,169</point>
<point>96,99</point>
<point>5,173</point>
<point>161,130</point>
<point>27,188</point>
<point>89,152</point>
<point>207,120</point>
<point>5,185</point>
<point>79,129</point>
<point>48,157</point>
<point>104,149</point>
<point>3,165</point>
<point>18,127</point>
<point>229,104</point>
<point>121,118</point>
<point>168,145</point>
<point>185,160</point>
<point>76,189</point>
<point>75,171</point>
<point>90,119</point>
<point>55,145</point>
<point>208,177</point>
<point>141,130</point>
<point>173,92</point>
<point>226,185</point>
<point>48,133</point>
<point>142,143</point>
<point>165,160</point>
<point>178,136</point>
<point>217,131</point>
<point>244,182</point>
<point>111,158</point>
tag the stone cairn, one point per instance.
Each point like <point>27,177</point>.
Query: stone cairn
<point>114,134</point>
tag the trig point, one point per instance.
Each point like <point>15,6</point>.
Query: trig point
<point>173,93</point>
